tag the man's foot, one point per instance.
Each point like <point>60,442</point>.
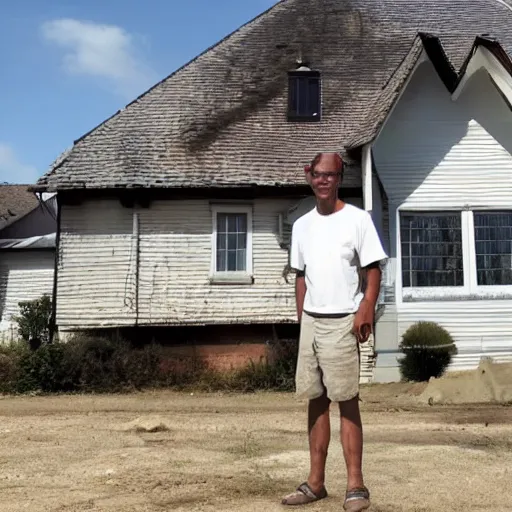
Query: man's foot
<point>303,495</point>
<point>357,499</point>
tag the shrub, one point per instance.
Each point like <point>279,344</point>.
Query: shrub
<point>94,363</point>
<point>41,369</point>
<point>10,356</point>
<point>428,350</point>
<point>34,320</point>
<point>90,363</point>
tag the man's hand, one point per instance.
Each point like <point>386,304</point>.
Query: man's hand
<point>363,321</point>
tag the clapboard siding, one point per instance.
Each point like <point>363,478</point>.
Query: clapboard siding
<point>435,153</point>
<point>24,275</point>
<point>479,328</point>
<point>175,248</point>
<point>439,153</point>
<point>96,267</point>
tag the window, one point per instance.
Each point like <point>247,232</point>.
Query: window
<point>456,254</point>
<point>431,250</point>
<point>304,95</point>
<point>493,248</point>
<point>232,244</point>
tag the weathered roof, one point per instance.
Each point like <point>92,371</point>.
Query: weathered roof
<point>15,202</point>
<point>390,94</point>
<point>221,119</point>
<point>34,242</point>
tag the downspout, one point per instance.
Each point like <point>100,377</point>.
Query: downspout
<point>53,319</point>
<point>136,249</point>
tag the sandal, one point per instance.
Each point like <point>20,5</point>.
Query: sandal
<point>357,499</point>
<point>304,495</point>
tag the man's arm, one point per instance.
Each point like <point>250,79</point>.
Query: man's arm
<point>365,316</point>
<point>373,280</point>
<point>300,292</point>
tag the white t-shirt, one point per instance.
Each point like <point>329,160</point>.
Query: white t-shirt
<point>332,249</point>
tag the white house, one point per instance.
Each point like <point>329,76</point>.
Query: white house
<point>27,251</point>
<point>176,211</point>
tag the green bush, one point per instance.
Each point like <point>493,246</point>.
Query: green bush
<point>428,350</point>
<point>93,363</point>
<point>34,320</point>
<point>89,363</point>
<point>10,357</point>
<point>41,369</point>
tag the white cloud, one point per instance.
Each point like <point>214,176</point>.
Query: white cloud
<point>12,170</point>
<point>107,52</point>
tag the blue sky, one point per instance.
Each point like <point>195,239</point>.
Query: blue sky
<point>69,64</point>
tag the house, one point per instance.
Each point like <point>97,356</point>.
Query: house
<point>176,211</point>
<point>27,251</point>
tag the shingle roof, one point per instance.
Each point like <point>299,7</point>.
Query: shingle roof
<point>221,119</point>
<point>15,202</point>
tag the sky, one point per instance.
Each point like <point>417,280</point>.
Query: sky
<point>67,65</point>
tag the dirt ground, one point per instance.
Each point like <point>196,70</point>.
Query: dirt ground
<point>243,452</point>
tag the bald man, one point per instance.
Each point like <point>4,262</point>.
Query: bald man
<point>332,247</point>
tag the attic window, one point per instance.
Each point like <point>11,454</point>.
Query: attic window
<point>304,93</point>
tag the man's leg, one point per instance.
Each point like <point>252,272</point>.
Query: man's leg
<point>319,429</point>
<point>352,442</point>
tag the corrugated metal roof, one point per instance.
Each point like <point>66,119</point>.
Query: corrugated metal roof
<point>34,242</point>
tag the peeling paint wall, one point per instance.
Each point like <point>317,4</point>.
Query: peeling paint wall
<point>24,275</point>
<point>97,267</point>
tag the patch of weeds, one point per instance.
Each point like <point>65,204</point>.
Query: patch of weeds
<point>249,447</point>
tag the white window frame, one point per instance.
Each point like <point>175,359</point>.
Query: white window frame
<point>470,288</point>
<point>233,277</point>
<point>482,289</point>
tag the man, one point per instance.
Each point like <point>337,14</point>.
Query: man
<point>332,247</point>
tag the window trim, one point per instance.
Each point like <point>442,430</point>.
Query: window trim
<point>485,289</point>
<point>304,118</point>
<point>239,276</point>
<point>470,289</point>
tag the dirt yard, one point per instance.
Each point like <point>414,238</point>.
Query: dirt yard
<point>242,453</point>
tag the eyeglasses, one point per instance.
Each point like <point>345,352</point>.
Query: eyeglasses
<point>330,176</point>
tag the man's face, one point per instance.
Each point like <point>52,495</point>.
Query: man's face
<point>326,177</point>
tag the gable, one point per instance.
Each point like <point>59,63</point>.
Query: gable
<point>435,152</point>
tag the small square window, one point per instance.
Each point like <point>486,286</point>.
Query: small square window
<point>304,96</point>
<point>232,245</point>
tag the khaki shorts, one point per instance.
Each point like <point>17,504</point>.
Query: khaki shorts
<point>328,359</point>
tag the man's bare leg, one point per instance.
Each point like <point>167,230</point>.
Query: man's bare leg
<point>319,429</point>
<point>351,433</point>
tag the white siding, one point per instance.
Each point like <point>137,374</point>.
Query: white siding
<point>96,280</point>
<point>96,286</point>
<point>435,153</point>
<point>479,328</point>
<point>24,275</point>
<point>175,255</point>
<point>439,153</point>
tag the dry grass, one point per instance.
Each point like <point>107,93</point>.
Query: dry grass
<point>243,452</point>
